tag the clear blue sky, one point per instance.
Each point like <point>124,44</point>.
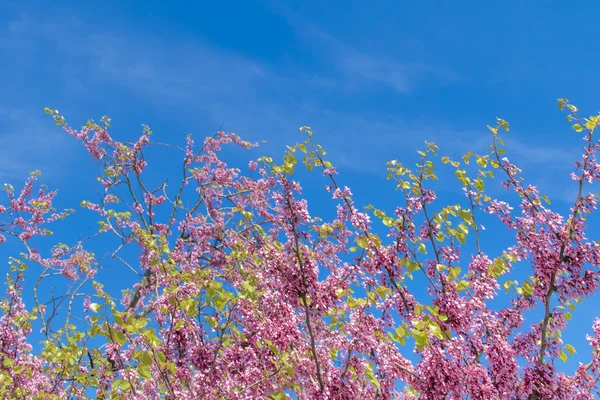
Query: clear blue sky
<point>373,79</point>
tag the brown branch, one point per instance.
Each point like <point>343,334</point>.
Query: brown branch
<point>303,297</point>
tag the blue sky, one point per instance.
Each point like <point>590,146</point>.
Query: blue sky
<point>373,80</point>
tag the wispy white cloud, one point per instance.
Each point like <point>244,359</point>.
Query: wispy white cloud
<point>253,97</point>
<point>360,67</point>
<point>180,71</point>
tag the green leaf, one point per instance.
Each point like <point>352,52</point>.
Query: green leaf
<point>248,287</point>
<point>371,376</point>
<point>351,302</point>
<point>265,159</point>
<point>421,338</point>
<point>289,160</point>
<point>145,372</point>
<point>401,331</point>
<point>417,323</point>
<point>146,359</point>
<point>411,265</point>
<point>546,199</point>
<point>220,302</point>
<point>418,310</point>
<point>362,241</point>
<point>333,353</point>
<point>577,128</point>
<point>497,268</point>
<point>120,338</point>
<point>454,272</point>
<point>570,349</point>
<point>172,367</point>
<point>382,290</point>
<point>563,356</point>
<point>436,331</point>
<point>462,285</point>
<point>482,161</point>
<point>162,359</point>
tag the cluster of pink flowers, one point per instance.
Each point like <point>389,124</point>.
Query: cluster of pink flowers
<point>244,294</point>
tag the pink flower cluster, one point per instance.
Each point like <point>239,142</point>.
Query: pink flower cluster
<point>244,294</point>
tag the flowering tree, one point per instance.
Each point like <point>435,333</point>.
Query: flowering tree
<point>243,295</point>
